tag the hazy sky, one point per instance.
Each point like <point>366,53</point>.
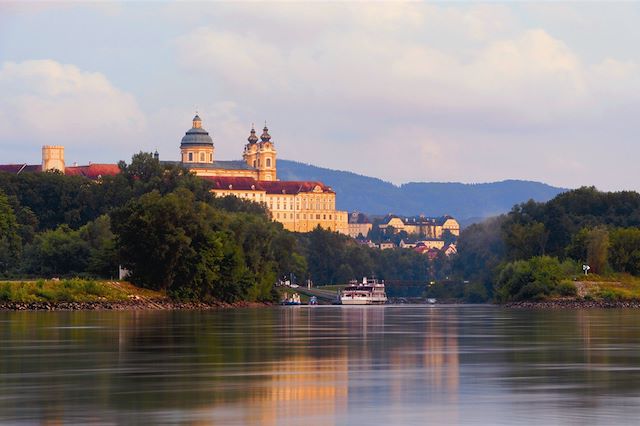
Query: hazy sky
<point>402,91</point>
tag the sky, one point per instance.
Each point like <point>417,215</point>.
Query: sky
<point>448,92</point>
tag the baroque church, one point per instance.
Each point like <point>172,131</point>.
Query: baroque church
<point>300,206</point>
<point>197,153</point>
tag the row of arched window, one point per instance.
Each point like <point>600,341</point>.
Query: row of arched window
<point>257,164</point>
<point>191,156</point>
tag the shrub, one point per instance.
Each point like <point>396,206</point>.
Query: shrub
<point>609,294</point>
<point>5,292</point>
<point>566,288</point>
<point>535,278</point>
<point>475,293</point>
<point>533,291</point>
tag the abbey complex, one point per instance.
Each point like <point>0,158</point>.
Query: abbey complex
<point>300,206</point>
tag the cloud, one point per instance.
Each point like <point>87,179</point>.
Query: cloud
<point>522,79</point>
<point>400,90</point>
<point>46,102</point>
<point>416,91</point>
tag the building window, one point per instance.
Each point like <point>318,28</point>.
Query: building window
<point>211,157</point>
<point>254,163</point>
<point>191,156</point>
<point>317,217</point>
<point>268,162</point>
<point>202,157</point>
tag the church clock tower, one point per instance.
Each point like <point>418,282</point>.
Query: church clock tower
<point>261,154</point>
<point>266,163</point>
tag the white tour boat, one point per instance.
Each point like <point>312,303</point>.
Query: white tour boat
<point>367,292</point>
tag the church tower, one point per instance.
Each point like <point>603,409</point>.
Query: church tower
<point>266,158</point>
<point>53,158</point>
<point>261,154</point>
<point>250,154</point>
<point>196,146</point>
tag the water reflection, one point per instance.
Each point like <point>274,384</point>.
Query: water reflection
<point>320,365</point>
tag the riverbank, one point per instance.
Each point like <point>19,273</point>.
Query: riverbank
<point>79,295</point>
<point>575,304</point>
<point>158,304</point>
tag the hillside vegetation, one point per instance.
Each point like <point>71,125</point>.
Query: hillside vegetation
<point>466,202</point>
<point>537,250</point>
<point>164,225</point>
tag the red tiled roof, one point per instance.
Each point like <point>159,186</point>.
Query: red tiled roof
<point>271,187</point>
<point>20,168</point>
<point>93,171</point>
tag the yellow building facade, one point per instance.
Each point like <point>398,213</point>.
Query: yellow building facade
<point>423,226</point>
<point>300,206</point>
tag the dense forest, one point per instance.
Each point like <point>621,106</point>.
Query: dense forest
<point>163,224</point>
<point>535,250</point>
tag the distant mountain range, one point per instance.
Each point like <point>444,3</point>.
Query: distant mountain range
<point>466,202</point>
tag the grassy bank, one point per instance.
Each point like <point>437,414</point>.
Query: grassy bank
<point>71,290</point>
<point>610,288</point>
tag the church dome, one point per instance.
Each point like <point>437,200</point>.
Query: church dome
<point>252,137</point>
<point>265,137</point>
<point>196,135</point>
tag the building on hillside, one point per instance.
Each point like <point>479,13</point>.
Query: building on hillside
<point>53,160</point>
<point>197,153</point>
<point>434,250</point>
<point>407,245</point>
<point>359,224</point>
<point>367,243</point>
<point>426,227</point>
<point>431,243</point>
<point>450,249</point>
<point>386,245</point>
<point>300,206</point>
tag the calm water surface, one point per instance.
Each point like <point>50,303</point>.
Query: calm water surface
<point>391,365</point>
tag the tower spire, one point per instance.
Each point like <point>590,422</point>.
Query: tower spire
<point>252,136</point>
<point>265,137</point>
<point>197,121</point>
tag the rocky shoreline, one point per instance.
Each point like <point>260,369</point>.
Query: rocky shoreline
<point>575,304</point>
<point>139,304</point>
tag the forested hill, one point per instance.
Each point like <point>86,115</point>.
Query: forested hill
<point>463,201</point>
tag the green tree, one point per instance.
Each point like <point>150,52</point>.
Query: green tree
<point>524,241</point>
<point>10,241</point>
<point>624,250</point>
<point>103,257</point>
<point>535,278</point>
<point>168,243</point>
<point>598,249</point>
<point>58,252</point>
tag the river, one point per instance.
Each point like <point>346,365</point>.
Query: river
<point>323,365</point>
